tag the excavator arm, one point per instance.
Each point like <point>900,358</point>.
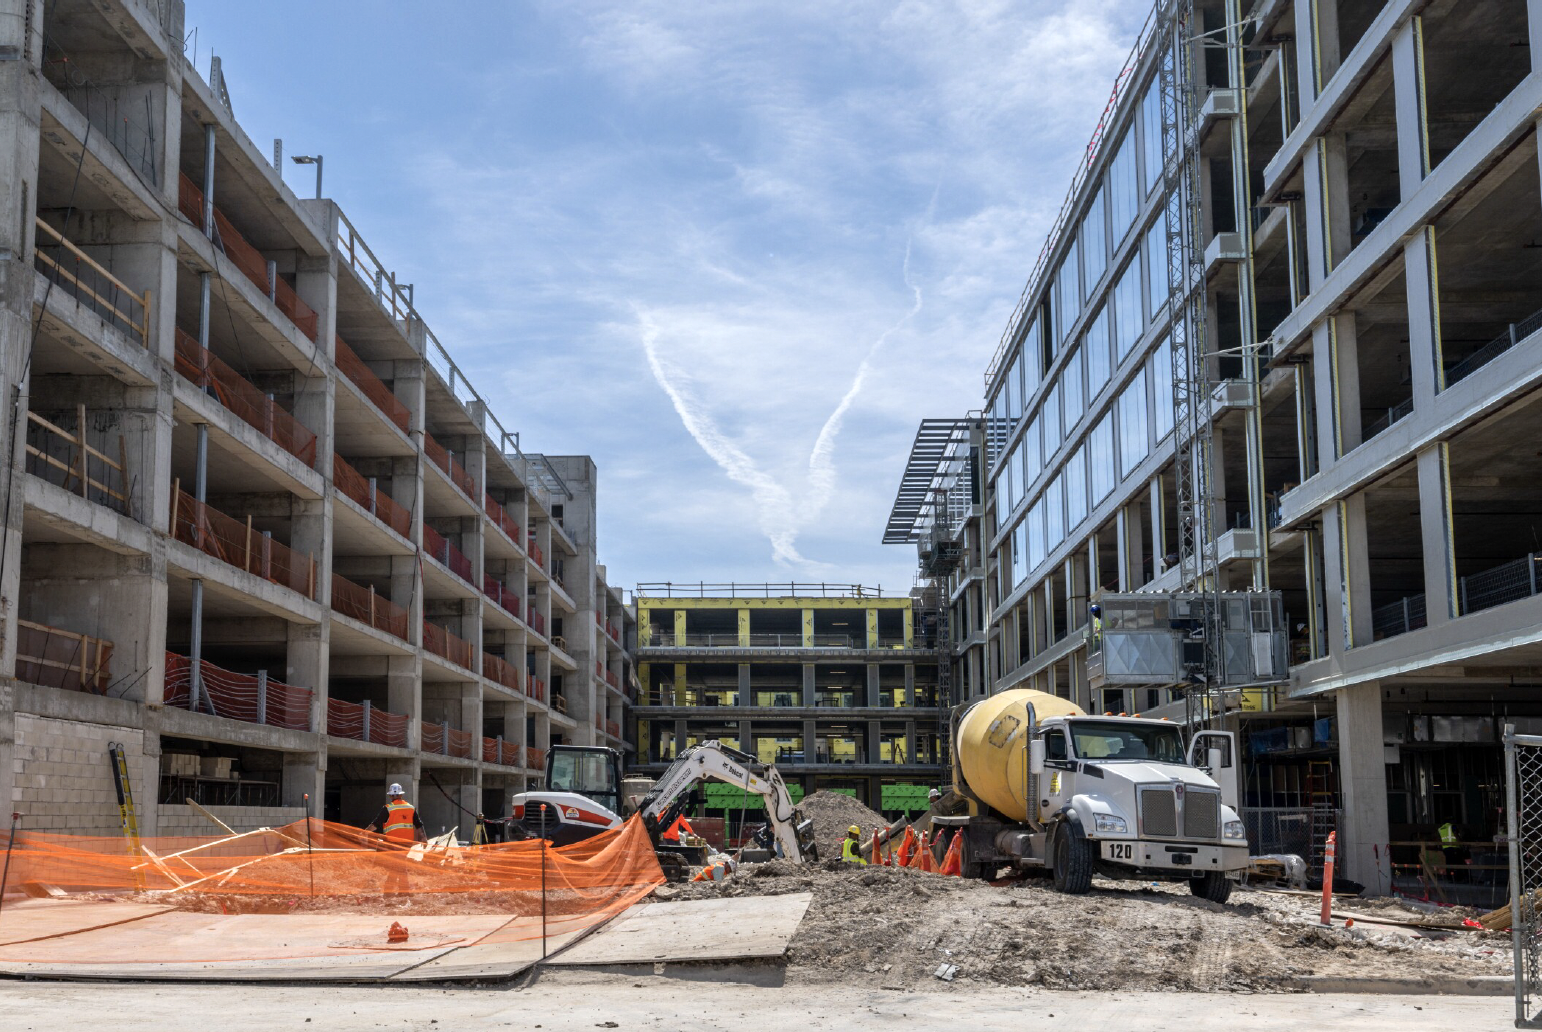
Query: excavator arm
<point>717,762</point>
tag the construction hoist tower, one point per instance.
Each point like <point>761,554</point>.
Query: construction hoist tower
<point>1184,44</point>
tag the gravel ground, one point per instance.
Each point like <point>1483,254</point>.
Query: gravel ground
<point>887,927</point>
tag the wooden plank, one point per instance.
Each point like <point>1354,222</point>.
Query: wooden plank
<point>730,928</point>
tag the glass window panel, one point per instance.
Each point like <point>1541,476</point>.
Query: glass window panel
<point>1011,475</point>
<point>1073,400</point>
<point>1151,130</point>
<point>1068,300</point>
<point>1035,523</point>
<point>1094,243</point>
<point>1096,348</point>
<point>1013,390</point>
<point>1075,474</point>
<point>1033,451</point>
<point>1127,311</point>
<point>1054,514</point>
<point>1100,458</point>
<point>1032,352</point>
<point>1019,554</point>
<point>1134,425</point>
<point>1156,266</point>
<point>1162,387</point>
<point>1049,414</point>
<point>1123,191</point>
<point>996,435</point>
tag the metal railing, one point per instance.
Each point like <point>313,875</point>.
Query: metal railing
<point>733,589</point>
<point>1513,335</point>
<point>1392,415</point>
<point>1508,582</point>
<point>133,140</point>
<point>1400,617</point>
<point>88,282</point>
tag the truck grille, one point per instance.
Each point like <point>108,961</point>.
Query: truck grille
<point>1201,814</point>
<point>1158,813</point>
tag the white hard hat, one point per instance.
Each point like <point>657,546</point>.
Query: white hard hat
<point>395,789</point>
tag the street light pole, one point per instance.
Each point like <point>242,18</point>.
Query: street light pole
<point>311,159</point>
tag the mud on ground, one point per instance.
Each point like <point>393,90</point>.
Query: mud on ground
<point>894,927</point>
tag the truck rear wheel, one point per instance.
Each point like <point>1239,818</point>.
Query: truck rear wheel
<point>1212,885</point>
<point>1073,863</point>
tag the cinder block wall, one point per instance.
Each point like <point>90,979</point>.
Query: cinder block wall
<point>64,779</point>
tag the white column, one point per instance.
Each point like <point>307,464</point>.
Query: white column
<point>1363,786</point>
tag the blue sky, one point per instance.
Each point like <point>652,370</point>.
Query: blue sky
<point>733,251</point>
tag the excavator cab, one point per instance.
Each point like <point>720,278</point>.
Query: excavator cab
<point>589,770</point>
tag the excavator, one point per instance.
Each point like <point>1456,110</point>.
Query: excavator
<point>584,796</point>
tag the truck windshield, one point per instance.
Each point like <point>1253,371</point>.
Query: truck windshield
<point>1117,740</point>
<point>587,773</point>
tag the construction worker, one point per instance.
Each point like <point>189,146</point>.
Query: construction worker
<point>851,846</point>
<point>398,819</point>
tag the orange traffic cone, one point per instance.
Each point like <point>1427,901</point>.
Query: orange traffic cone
<point>929,854</point>
<point>923,853</point>
<point>917,847</point>
<point>953,862</point>
<point>876,859</point>
<point>907,847</point>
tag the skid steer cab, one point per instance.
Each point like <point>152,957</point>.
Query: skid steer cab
<point>581,796</point>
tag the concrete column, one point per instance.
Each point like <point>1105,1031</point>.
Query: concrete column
<point>746,737</point>
<point>1314,201</point>
<point>1345,348</point>
<point>1325,15</point>
<point>1534,27</point>
<point>1408,83</point>
<point>808,628</point>
<point>1122,543</point>
<point>1324,396</point>
<point>810,736</point>
<point>1426,363</point>
<point>1348,563</point>
<point>1363,784</point>
<point>872,628</point>
<point>1306,55</point>
<point>872,685</point>
<point>1158,528</point>
<point>873,749</point>
<point>680,627</point>
<point>304,773</point>
<point>744,626</point>
<point>404,693</point>
<point>810,690</point>
<point>745,698</point>
<point>1440,599</point>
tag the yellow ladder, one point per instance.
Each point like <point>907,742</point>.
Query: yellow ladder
<point>126,814</point>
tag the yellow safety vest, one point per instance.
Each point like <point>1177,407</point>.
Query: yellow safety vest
<point>849,852</point>
<point>399,814</point>
<point>1447,835</point>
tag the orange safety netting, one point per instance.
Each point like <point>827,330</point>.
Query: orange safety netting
<point>240,544</point>
<point>237,394</point>
<point>343,870</point>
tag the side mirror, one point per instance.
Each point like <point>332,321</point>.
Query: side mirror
<point>1036,756</point>
<point>1213,758</point>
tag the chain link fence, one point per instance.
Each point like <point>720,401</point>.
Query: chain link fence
<point>1523,784</point>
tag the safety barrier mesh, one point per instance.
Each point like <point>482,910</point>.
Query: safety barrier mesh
<point>441,457</point>
<point>495,669</point>
<point>448,646</point>
<point>370,498</point>
<point>315,866</point>
<point>500,593</point>
<point>353,367</point>
<point>240,544</point>
<point>248,697</point>
<point>499,515</point>
<point>367,607</point>
<point>364,723</point>
<point>452,558</point>
<point>247,258</point>
<point>245,401</point>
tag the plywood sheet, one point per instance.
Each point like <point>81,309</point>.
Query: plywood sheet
<point>732,928</point>
<point>26,920</point>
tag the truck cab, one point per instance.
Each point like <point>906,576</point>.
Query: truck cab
<point>1124,797</point>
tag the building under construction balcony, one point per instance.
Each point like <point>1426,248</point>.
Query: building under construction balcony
<point>1244,275</point>
<point>262,531</point>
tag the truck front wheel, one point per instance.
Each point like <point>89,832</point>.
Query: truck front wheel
<point>1212,885</point>
<point>1073,863</point>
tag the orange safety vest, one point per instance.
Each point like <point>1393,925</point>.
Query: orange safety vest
<point>399,814</point>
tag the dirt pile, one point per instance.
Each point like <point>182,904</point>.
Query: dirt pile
<point>892,927</point>
<point>834,812</point>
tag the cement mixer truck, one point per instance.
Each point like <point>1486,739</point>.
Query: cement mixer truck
<point>1038,784</point>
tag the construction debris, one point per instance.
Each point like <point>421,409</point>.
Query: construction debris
<point>878,926</point>
<point>833,813</point>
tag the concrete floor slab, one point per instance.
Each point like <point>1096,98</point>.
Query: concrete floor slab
<point>29,919</point>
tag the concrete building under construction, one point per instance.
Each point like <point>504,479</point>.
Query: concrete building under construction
<point>260,529</point>
<point>1334,321</point>
<point>835,684</point>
